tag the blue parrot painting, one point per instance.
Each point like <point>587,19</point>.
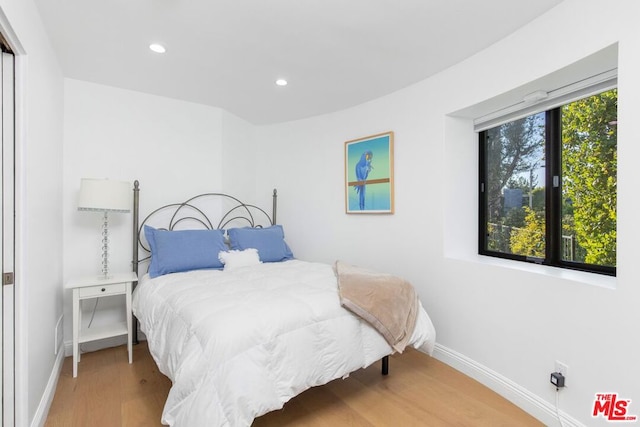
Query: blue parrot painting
<point>363,167</point>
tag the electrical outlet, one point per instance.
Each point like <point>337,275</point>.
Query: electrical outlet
<point>557,379</point>
<point>562,368</point>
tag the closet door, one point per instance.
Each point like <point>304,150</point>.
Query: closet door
<point>7,231</point>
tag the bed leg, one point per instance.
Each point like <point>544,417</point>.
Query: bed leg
<point>385,365</point>
<point>135,330</point>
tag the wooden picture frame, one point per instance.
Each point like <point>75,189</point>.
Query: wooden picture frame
<point>368,172</point>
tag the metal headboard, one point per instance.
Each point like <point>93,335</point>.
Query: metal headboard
<point>189,211</point>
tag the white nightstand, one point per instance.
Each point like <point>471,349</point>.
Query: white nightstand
<point>94,287</point>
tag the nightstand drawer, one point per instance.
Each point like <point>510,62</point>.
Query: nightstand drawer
<point>100,291</point>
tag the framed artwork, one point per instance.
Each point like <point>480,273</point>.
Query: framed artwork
<point>368,172</point>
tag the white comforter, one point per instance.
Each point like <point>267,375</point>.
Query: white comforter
<point>241,343</point>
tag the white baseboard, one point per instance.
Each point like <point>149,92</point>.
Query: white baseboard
<point>521,397</point>
<point>42,411</point>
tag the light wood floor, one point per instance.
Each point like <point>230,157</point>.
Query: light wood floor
<point>419,391</point>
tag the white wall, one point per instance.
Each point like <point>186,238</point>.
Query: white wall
<point>238,157</point>
<point>512,321</point>
<point>39,195</point>
<point>172,147</point>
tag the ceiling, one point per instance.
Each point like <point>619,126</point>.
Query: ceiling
<point>228,53</point>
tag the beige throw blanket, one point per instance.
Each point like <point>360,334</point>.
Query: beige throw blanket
<point>388,303</point>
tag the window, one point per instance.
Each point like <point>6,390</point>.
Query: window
<point>548,186</point>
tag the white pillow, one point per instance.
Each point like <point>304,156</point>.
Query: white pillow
<point>236,259</point>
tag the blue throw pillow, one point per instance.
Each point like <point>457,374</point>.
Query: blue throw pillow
<point>183,250</point>
<point>268,241</point>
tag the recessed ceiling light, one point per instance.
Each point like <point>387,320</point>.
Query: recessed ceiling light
<point>281,82</point>
<point>157,48</point>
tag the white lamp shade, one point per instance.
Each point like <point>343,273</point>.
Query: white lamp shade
<point>104,195</point>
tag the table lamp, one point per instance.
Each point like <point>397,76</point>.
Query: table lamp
<point>104,195</point>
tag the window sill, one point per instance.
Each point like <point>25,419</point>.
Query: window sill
<point>583,277</point>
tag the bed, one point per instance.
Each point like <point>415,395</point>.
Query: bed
<point>243,333</point>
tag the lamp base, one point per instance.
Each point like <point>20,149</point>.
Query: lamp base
<point>105,246</point>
